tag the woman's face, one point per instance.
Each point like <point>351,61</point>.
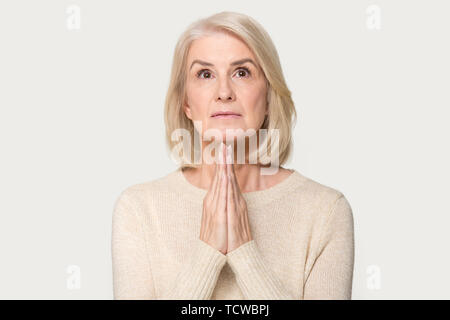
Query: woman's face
<point>223,76</point>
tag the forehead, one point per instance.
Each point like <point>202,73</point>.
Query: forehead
<point>219,47</point>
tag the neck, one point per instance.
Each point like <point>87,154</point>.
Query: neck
<point>247,175</point>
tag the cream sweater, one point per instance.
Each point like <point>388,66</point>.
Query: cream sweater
<point>302,247</point>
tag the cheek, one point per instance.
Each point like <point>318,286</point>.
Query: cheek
<point>198,101</point>
<point>255,105</point>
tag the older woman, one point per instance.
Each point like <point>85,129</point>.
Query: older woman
<point>224,230</point>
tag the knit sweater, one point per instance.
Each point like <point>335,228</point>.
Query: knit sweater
<point>302,246</point>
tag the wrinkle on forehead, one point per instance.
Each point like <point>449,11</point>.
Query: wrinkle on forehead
<point>234,48</point>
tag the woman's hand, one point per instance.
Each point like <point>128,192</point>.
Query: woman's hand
<point>213,229</point>
<point>237,215</point>
<point>225,223</point>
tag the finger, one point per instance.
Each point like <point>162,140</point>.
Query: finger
<point>234,197</point>
<point>233,188</point>
<point>224,157</point>
<point>220,175</point>
<point>215,179</point>
<point>217,161</point>
<point>218,183</point>
<point>220,151</point>
<point>229,159</point>
<point>223,191</point>
<point>232,172</point>
<point>230,196</point>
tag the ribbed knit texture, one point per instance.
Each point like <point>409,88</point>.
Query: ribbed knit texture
<point>302,247</point>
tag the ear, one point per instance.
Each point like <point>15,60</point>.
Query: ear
<point>187,110</point>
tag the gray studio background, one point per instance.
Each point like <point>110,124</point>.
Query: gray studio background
<point>82,88</point>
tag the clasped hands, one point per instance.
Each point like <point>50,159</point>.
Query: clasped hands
<point>225,223</point>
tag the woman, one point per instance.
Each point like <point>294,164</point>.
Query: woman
<point>222,229</point>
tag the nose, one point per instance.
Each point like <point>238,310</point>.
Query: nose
<point>225,91</point>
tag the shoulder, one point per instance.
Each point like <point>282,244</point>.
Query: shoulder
<point>315,190</point>
<point>324,208</point>
<point>322,199</point>
<point>142,192</point>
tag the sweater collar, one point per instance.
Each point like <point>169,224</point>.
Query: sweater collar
<point>253,198</point>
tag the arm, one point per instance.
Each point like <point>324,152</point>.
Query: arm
<point>197,279</point>
<point>332,273</point>
<point>254,277</point>
<point>132,275</point>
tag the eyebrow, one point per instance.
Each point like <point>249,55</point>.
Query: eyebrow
<point>231,64</point>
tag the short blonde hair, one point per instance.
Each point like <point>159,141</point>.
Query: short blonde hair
<point>281,109</point>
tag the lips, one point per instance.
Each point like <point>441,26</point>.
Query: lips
<point>225,114</point>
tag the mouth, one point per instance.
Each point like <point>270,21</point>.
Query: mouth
<point>225,115</point>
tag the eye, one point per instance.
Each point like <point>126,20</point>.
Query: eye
<point>204,72</point>
<point>244,70</point>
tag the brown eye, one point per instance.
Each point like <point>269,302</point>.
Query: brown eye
<point>204,72</point>
<point>243,72</point>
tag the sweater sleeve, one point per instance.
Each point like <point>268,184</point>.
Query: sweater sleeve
<point>197,279</point>
<point>132,278</point>
<point>132,275</point>
<point>253,276</point>
<point>332,272</point>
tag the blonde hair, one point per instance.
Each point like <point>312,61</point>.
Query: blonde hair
<point>281,109</point>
